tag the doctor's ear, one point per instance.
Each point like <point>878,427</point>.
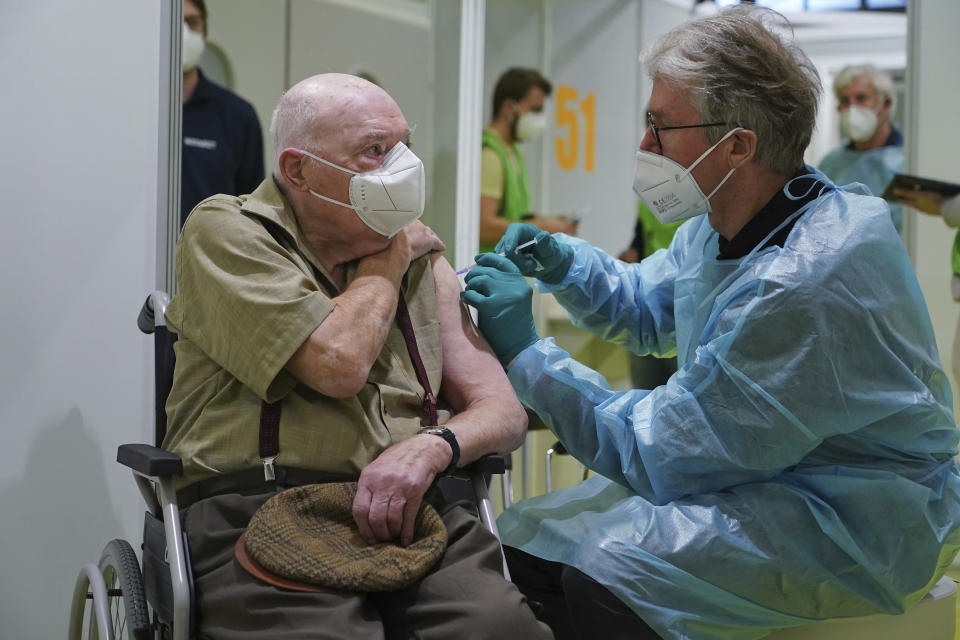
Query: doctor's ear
<point>743,149</point>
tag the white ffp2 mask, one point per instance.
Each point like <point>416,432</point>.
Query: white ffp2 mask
<point>389,197</point>
<point>668,189</point>
<point>859,123</point>
<point>191,48</point>
<point>531,126</point>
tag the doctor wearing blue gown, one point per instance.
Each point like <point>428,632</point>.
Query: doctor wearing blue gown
<point>800,463</point>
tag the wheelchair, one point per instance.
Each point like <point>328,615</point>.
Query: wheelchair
<point>120,599</point>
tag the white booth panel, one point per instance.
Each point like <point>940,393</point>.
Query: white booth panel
<point>78,256</point>
<point>595,115</point>
<point>396,49</point>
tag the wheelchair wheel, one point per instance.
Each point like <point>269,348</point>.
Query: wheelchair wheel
<point>125,606</point>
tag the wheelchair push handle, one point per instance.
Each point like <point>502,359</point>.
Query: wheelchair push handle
<point>151,313</point>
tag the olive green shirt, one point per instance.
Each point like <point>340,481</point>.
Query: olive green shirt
<point>250,293</point>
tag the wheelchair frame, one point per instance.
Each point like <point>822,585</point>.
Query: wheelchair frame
<point>154,470</point>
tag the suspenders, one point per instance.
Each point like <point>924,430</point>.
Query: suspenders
<point>270,411</point>
<point>406,328</point>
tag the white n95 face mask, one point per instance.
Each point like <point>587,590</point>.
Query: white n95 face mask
<point>191,48</point>
<point>389,197</point>
<point>669,190</point>
<point>859,123</point>
<point>531,126</point>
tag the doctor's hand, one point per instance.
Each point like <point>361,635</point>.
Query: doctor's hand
<point>553,256</point>
<point>503,300</point>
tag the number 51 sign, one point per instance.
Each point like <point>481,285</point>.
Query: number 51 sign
<point>569,113</point>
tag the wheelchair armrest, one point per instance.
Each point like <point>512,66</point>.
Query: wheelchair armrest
<point>149,460</point>
<point>492,463</point>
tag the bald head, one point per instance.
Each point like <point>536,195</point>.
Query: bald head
<point>326,109</point>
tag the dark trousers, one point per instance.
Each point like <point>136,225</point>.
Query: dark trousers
<point>465,596</point>
<point>574,605</point>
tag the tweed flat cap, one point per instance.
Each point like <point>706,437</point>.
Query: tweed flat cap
<point>307,536</point>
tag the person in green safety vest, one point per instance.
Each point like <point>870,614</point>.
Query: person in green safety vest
<point>648,372</point>
<point>518,116</point>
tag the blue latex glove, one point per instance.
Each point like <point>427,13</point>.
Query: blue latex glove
<point>503,302</point>
<point>555,257</point>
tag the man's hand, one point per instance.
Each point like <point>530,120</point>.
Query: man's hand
<point>503,302</point>
<point>925,201</point>
<point>555,257</point>
<point>414,240</point>
<point>391,488</point>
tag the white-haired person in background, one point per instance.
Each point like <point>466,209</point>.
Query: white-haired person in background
<point>874,152</point>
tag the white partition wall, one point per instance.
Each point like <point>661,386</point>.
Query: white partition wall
<point>932,143</point>
<point>593,140</point>
<point>252,35</point>
<point>469,121</point>
<point>588,49</point>
<point>77,258</point>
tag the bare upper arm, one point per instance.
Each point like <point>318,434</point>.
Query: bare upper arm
<point>471,371</point>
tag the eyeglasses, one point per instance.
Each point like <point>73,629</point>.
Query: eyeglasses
<point>657,130</point>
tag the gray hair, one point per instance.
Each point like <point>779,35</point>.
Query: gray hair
<point>882,81</point>
<point>735,68</point>
<point>313,109</point>
<point>292,125</point>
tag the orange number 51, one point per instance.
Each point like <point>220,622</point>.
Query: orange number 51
<point>567,147</point>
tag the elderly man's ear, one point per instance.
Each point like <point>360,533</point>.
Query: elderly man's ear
<point>291,169</point>
<point>743,149</point>
<point>886,107</point>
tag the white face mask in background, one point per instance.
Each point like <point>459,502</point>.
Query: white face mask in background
<point>531,125</point>
<point>668,189</point>
<point>389,197</point>
<point>192,48</point>
<point>859,123</point>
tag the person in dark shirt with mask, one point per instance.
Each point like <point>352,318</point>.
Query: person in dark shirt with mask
<point>222,142</point>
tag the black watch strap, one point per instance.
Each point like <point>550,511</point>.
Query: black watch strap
<point>451,439</point>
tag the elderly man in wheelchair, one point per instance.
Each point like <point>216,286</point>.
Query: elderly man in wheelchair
<point>321,343</point>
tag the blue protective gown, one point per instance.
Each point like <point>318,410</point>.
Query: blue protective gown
<point>874,168</point>
<point>798,466</point>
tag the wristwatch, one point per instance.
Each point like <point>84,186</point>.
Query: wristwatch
<point>451,439</point>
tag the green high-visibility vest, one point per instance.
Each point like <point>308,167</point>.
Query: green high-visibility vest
<point>516,195</point>
<point>656,235</point>
<point>955,254</point>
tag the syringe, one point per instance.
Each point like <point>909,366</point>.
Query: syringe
<point>519,247</point>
